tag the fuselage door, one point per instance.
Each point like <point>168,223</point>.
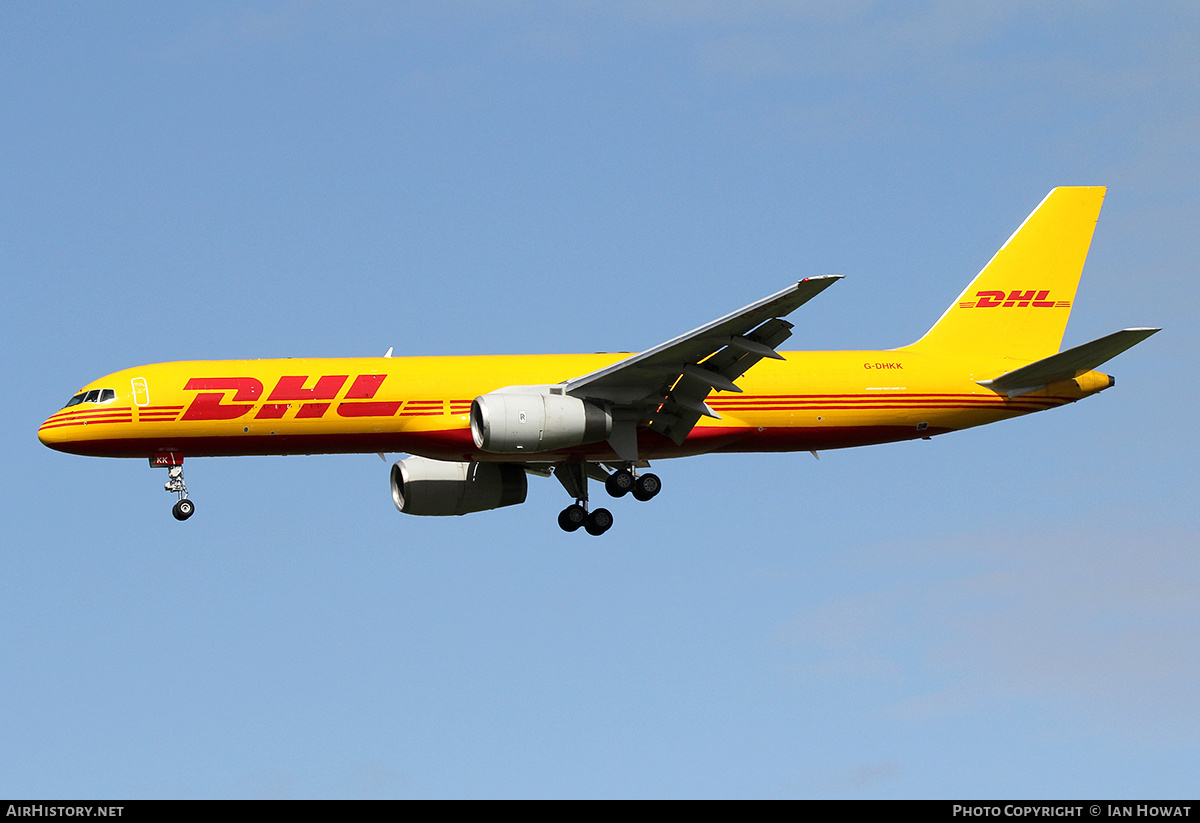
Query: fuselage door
<point>141,392</point>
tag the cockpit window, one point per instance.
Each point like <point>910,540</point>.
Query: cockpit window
<point>93,396</point>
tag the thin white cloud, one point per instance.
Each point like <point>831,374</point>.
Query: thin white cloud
<point>1088,622</point>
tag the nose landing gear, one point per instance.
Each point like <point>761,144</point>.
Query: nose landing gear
<point>173,462</point>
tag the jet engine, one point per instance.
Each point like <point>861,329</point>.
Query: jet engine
<point>438,487</point>
<point>508,423</point>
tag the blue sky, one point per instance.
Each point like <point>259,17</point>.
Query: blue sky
<point>1007,611</point>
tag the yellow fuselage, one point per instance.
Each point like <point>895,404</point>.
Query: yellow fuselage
<point>421,405</point>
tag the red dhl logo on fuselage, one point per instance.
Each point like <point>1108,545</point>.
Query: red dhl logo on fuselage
<point>1015,298</point>
<point>290,390</point>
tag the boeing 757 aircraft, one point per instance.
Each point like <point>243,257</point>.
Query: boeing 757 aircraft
<point>477,427</point>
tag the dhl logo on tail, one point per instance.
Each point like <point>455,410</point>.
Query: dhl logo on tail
<point>1015,298</point>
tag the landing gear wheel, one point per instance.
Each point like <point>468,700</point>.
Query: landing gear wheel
<point>619,483</point>
<point>183,509</point>
<point>572,517</point>
<point>599,522</point>
<point>647,486</point>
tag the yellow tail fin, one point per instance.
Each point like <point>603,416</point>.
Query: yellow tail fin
<point>1018,306</point>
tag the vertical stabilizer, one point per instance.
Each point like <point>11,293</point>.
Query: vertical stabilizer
<point>1018,306</point>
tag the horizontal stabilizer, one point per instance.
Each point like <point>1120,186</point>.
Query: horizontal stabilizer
<point>1067,364</point>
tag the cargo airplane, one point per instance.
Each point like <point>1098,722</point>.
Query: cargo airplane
<point>477,427</point>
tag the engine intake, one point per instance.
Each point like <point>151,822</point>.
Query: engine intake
<point>510,423</point>
<point>437,487</point>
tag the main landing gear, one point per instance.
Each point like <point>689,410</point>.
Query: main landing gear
<point>576,515</point>
<point>173,462</point>
<point>574,477</point>
<point>642,486</point>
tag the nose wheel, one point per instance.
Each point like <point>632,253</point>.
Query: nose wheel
<point>183,509</point>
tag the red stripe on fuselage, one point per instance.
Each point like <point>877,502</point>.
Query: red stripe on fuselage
<point>457,444</point>
<point>85,423</point>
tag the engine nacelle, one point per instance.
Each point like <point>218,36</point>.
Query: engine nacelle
<point>509,423</point>
<point>439,487</point>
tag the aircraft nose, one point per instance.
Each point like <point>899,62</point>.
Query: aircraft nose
<point>64,430</point>
<point>48,433</point>
<point>53,432</point>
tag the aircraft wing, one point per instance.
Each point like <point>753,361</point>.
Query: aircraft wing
<point>666,385</point>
